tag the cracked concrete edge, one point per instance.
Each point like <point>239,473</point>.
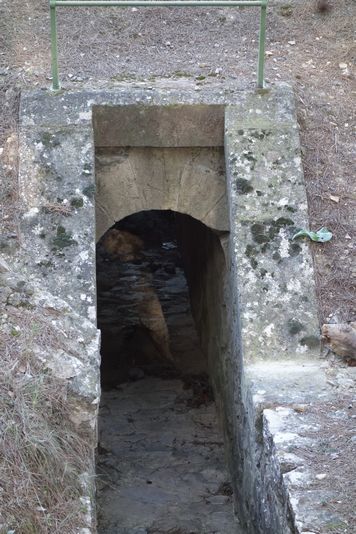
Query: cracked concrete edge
<point>283,371</point>
<point>286,426</point>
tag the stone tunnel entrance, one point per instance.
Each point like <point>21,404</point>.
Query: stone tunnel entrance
<point>161,461</point>
<point>230,162</point>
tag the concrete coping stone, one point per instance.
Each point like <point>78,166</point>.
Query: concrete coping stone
<point>73,107</point>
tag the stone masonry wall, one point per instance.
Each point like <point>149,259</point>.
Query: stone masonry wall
<point>271,313</point>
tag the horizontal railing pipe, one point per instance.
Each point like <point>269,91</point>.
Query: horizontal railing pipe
<point>157,3</point>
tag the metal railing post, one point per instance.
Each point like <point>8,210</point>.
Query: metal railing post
<point>54,47</point>
<point>261,46</point>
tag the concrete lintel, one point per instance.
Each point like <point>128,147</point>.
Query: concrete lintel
<point>192,125</point>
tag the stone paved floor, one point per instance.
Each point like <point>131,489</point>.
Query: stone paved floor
<point>161,462</point>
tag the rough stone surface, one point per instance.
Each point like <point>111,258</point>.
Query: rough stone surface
<point>277,294</point>
<point>268,290</point>
<point>185,180</point>
<point>171,476</point>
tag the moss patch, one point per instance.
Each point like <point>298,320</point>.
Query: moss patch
<point>77,202</point>
<point>259,233</point>
<point>89,191</point>
<point>63,239</point>
<point>312,342</point>
<point>243,186</point>
<point>294,327</point>
<point>259,134</point>
<point>294,249</point>
<point>49,140</point>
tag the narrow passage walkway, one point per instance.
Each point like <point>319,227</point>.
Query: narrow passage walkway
<point>161,464</point>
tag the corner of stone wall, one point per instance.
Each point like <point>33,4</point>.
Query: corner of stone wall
<point>275,295</point>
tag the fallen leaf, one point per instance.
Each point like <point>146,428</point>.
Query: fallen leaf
<point>321,236</point>
<point>343,65</point>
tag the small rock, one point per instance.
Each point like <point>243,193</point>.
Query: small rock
<point>292,43</point>
<point>346,383</point>
<point>343,65</point>
<point>341,338</point>
<point>4,268</point>
<point>321,476</point>
<point>300,408</point>
<point>8,243</point>
<point>5,292</point>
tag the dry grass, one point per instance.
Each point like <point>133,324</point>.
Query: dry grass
<point>332,450</point>
<point>60,209</point>
<point>41,453</point>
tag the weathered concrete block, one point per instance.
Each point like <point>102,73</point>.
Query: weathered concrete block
<point>173,125</point>
<point>186,180</point>
<point>277,295</point>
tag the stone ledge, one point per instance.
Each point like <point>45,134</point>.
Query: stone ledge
<point>294,401</point>
<point>73,107</point>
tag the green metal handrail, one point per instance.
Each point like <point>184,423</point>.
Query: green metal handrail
<point>157,3</point>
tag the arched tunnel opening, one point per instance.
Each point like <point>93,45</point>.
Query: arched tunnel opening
<point>160,295</point>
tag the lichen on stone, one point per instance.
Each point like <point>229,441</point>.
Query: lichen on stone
<point>63,239</point>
